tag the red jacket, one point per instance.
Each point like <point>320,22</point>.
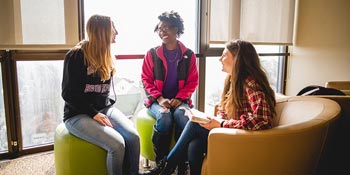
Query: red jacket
<point>153,79</point>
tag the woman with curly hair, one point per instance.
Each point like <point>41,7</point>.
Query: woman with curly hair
<point>170,76</point>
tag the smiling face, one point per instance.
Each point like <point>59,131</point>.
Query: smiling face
<point>114,33</point>
<point>228,61</point>
<point>167,32</point>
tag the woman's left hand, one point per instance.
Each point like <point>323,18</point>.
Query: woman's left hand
<point>102,119</point>
<point>175,102</point>
<point>214,123</point>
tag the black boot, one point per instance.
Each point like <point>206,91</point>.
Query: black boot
<point>158,169</point>
<point>161,168</point>
<point>182,168</point>
<point>161,146</point>
<point>167,170</point>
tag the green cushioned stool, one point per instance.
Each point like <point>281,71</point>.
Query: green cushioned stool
<point>144,126</point>
<point>74,156</point>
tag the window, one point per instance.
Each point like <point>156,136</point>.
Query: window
<point>34,33</point>
<point>136,26</point>
<point>128,86</point>
<point>3,129</point>
<point>260,22</point>
<point>48,23</point>
<point>45,27</point>
<point>267,24</point>
<point>214,83</point>
<point>40,101</point>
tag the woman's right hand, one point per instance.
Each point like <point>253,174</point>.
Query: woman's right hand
<point>102,119</point>
<point>164,102</point>
<point>214,123</point>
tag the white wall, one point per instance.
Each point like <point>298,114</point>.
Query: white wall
<point>321,51</point>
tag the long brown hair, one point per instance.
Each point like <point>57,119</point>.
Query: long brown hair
<point>97,49</point>
<point>247,65</point>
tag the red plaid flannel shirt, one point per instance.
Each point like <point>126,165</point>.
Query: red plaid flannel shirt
<point>255,114</point>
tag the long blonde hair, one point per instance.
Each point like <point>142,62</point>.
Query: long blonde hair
<point>247,65</point>
<point>97,49</point>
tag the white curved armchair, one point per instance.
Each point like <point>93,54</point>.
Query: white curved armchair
<point>292,146</point>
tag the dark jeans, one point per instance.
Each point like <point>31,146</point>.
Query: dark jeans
<point>192,143</point>
<point>166,118</point>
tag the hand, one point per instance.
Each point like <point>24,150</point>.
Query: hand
<point>214,123</point>
<point>175,102</point>
<point>102,119</point>
<point>164,102</point>
<point>221,114</point>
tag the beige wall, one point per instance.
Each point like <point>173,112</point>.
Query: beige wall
<point>6,22</point>
<point>321,51</point>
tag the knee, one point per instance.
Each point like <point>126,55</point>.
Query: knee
<point>116,147</point>
<point>134,139</point>
<point>180,119</point>
<point>179,112</point>
<point>192,125</point>
<point>164,123</point>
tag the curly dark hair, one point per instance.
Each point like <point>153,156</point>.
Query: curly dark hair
<point>174,19</point>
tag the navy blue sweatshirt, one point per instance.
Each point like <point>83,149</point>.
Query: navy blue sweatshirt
<point>82,89</point>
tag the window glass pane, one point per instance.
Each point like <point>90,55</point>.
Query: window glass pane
<point>267,21</point>
<point>128,86</point>
<point>254,20</point>
<point>224,20</point>
<point>3,132</point>
<point>40,101</point>
<point>43,22</point>
<point>259,48</point>
<point>271,64</point>
<point>217,45</point>
<point>136,26</point>
<point>267,48</point>
<point>214,82</point>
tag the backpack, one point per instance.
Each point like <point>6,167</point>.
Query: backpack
<point>319,90</point>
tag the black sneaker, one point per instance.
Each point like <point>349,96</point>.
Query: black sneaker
<point>157,169</point>
<point>182,168</point>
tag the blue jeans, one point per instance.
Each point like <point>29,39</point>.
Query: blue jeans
<point>192,144</point>
<point>165,119</point>
<point>121,142</point>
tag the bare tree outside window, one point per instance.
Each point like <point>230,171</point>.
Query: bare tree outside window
<point>3,132</point>
<point>40,101</point>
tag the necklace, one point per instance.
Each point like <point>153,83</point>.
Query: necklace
<point>168,54</point>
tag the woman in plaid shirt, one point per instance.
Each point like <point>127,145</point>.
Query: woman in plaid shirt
<point>247,102</point>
